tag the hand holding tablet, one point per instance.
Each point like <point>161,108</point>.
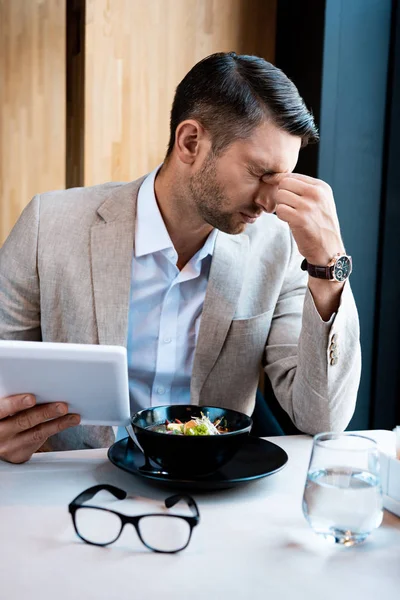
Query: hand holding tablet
<point>24,427</point>
<point>86,380</point>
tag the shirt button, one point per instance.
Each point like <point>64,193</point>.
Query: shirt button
<point>161,390</point>
<point>167,340</point>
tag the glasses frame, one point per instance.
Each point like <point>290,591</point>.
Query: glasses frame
<point>77,504</point>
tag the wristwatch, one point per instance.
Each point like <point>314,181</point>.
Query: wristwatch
<point>338,269</point>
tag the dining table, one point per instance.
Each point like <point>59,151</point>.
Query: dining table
<point>252,540</point>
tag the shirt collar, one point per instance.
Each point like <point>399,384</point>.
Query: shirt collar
<point>151,234</point>
<point>208,248</point>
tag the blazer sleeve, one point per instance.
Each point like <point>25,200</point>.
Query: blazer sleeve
<point>19,280</point>
<point>316,389</point>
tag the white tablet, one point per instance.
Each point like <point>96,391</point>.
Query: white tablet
<point>92,379</point>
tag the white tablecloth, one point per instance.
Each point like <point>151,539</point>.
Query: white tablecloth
<point>252,541</point>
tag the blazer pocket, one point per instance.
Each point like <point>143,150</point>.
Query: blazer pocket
<point>254,326</point>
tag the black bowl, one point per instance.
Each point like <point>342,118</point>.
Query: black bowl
<point>190,456</point>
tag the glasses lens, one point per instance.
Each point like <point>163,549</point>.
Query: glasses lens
<point>97,526</point>
<point>164,533</point>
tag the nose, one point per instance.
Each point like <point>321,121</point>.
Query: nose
<point>265,201</point>
<point>262,204</point>
<point>267,193</point>
<point>266,198</point>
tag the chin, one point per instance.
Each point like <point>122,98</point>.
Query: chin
<point>232,229</point>
<point>239,229</point>
<point>231,226</point>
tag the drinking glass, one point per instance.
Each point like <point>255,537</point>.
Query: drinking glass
<point>342,498</point>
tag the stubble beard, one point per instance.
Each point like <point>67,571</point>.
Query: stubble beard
<point>209,199</point>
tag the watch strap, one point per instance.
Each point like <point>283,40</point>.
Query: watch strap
<point>317,271</point>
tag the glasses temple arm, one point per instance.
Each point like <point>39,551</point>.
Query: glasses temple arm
<point>92,491</point>
<point>172,500</point>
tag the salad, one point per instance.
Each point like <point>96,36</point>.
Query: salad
<point>195,426</point>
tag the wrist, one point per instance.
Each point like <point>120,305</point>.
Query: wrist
<point>323,258</point>
<point>328,287</point>
<point>326,295</point>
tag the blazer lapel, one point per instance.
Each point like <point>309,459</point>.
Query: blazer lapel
<point>112,243</point>
<point>223,291</point>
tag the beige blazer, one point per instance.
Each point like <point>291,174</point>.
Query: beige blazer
<point>65,273</point>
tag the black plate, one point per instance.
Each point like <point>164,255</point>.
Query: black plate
<point>256,458</point>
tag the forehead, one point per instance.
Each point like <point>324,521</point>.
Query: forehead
<point>268,148</point>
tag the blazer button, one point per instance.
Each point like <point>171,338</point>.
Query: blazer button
<point>334,338</point>
<point>334,360</point>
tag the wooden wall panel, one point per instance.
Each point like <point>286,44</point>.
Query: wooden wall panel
<point>137,51</point>
<point>32,103</point>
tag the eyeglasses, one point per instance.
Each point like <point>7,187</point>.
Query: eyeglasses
<point>157,531</point>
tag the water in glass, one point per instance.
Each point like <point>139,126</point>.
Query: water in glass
<point>343,501</point>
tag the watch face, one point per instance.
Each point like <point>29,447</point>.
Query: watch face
<point>342,268</point>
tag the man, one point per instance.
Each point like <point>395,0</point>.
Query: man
<point>196,268</point>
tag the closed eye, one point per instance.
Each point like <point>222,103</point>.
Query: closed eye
<point>260,176</point>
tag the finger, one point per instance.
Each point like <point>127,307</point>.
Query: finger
<point>296,219</point>
<point>37,436</point>
<point>304,178</point>
<point>22,446</point>
<point>291,199</point>
<point>299,187</point>
<point>286,213</point>
<point>14,404</point>
<point>28,419</point>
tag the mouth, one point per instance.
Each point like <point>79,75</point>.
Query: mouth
<point>250,218</point>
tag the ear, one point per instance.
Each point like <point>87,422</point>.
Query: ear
<point>190,136</point>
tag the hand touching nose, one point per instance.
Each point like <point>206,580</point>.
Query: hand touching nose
<point>308,206</point>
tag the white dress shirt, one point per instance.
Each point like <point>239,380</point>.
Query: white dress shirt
<point>165,309</point>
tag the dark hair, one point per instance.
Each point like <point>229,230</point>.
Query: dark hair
<point>230,94</point>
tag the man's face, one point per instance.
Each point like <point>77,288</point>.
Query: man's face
<point>233,189</point>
